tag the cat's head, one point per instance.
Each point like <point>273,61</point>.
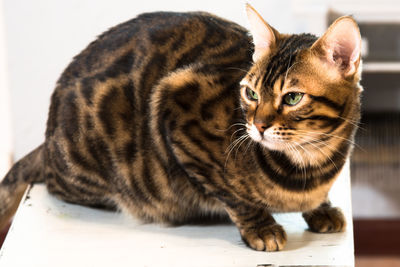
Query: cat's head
<point>302,90</point>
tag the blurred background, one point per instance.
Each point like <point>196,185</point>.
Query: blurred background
<point>38,38</point>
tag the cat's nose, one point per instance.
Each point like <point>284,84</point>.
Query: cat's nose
<point>261,127</point>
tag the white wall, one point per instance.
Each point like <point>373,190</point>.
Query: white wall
<point>43,36</point>
<point>5,116</point>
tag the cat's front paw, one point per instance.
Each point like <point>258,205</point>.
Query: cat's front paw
<point>265,238</point>
<point>325,220</point>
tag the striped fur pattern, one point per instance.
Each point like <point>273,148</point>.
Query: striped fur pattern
<point>151,119</point>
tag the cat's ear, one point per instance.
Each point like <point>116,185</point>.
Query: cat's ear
<point>341,46</point>
<point>264,36</point>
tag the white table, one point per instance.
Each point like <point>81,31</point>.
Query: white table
<point>49,232</point>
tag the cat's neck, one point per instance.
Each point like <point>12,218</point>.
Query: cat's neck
<point>312,154</point>
<point>307,157</point>
<point>299,174</point>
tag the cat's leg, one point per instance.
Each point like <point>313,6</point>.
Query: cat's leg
<point>258,228</point>
<point>325,219</point>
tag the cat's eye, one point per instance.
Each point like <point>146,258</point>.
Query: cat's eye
<point>251,95</point>
<point>292,99</point>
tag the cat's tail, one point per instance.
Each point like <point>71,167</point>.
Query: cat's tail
<point>27,170</point>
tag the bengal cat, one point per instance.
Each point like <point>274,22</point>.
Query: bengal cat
<point>172,117</point>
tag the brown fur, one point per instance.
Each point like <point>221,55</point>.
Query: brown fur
<point>150,119</point>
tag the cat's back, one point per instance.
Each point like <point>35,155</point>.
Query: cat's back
<point>173,39</point>
<point>102,100</point>
<point>136,54</point>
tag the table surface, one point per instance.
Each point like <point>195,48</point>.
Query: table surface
<point>49,232</point>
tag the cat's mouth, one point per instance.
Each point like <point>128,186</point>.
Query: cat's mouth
<point>265,138</point>
<point>271,138</point>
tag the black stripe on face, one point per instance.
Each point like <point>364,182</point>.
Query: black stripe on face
<point>329,121</point>
<point>293,82</point>
<point>283,60</point>
<point>286,56</point>
<point>337,107</point>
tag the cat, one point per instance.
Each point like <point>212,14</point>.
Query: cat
<point>174,117</point>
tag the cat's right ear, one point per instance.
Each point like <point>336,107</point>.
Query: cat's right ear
<point>340,46</point>
<point>264,36</point>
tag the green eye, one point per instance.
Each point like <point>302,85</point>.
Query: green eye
<point>251,95</point>
<point>292,99</point>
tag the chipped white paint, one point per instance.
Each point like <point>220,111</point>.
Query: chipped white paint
<point>48,232</point>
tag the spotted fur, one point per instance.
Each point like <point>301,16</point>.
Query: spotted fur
<point>150,119</point>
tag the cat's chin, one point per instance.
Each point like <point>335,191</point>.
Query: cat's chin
<point>273,145</point>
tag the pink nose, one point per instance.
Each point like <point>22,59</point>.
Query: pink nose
<point>261,126</point>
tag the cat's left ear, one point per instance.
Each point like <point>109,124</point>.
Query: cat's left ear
<point>264,36</point>
<point>341,46</point>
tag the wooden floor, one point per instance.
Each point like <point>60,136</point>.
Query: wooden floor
<point>377,237</point>
<point>366,261</point>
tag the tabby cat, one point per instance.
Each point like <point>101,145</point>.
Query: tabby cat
<point>175,117</point>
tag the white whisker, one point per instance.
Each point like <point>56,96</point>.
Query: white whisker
<point>233,134</point>
<point>237,149</point>
<point>322,151</point>
<point>232,146</point>
<point>235,124</point>
<point>331,135</point>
